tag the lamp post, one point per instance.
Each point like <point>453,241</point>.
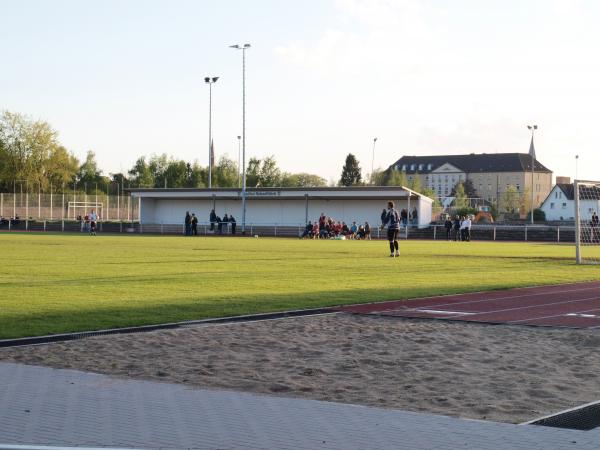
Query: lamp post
<point>532,154</point>
<point>373,159</point>
<point>576,164</point>
<point>243,48</point>
<point>239,160</point>
<point>210,81</point>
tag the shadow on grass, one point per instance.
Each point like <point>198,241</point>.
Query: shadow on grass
<point>176,310</point>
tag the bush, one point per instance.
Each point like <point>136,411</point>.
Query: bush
<point>466,211</point>
<point>538,215</point>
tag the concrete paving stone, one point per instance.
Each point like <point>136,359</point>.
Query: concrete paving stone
<point>76,408</point>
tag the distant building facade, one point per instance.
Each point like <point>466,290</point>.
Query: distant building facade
<point>490,174</point>
<point>560,203</point>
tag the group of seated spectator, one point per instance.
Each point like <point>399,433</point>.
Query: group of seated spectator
<point>328,228</point>
<point>14,221</point>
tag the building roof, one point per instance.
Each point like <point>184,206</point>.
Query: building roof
<point>287,193</point>
<point>472,163</point>
<point>585,192</point>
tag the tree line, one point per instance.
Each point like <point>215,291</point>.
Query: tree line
<point>32,159</point>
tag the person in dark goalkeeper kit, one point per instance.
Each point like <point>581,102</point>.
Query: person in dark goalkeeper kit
<point>392,220</point>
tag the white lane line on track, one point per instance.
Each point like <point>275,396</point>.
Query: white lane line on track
<point>508,297</point>
<point>554,315</point>
<point>480,313</point>
<point>434,311</point>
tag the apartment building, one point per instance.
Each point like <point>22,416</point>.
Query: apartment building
<point>490,173</point>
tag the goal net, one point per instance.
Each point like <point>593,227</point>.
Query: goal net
<point>587,226</point>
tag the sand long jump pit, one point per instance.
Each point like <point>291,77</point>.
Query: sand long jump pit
<point>507,373</point>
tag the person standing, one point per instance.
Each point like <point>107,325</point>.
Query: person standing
<point>194,222</point>
<point>404,217</point>
<point>415,216</point>
<point>448,227</point>
<point>594,225</point>
<point>467,228</point>
<point>212,218</point>
<point>367,231</point>
<point>219,225</point>
<point>225,222</point>
<point>233,223</point>
<point>188,223</point>
<point>392,220</point>
<point>93,219</point>
<point>457,228</point>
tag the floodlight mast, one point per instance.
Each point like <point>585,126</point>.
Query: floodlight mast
<point>210,81</point>
<point>243,48</point>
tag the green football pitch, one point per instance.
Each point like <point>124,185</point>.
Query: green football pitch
<point>54,283</point>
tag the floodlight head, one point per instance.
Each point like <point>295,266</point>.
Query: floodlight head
<point>246,45</point>
<point>206,80</point>
<point>529,127</point>
<point>214,79</point>
<point>234,46</point>
<point>535,127</point>
<point>374,139</point>
<point>239,137</point>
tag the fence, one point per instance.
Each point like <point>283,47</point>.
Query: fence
<point>532,233</point>
<point>38,206</point>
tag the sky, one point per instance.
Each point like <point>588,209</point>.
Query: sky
<point>125,78</point>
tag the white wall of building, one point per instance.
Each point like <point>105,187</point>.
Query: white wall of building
<point>276,210</point>
<point>558,207</point>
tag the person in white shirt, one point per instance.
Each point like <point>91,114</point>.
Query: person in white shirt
<point>93,219</point>
<point>465,227</point>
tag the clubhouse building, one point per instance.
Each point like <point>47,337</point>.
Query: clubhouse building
<point>291,207</point>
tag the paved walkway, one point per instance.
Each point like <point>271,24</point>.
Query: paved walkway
<point>42,406</point>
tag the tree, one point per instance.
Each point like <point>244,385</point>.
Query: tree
<point>61,168</point>
<point>270,175</point>
<point>25,151</point>
<point>378,177</point>
<point>89,175</point>
<point>351,172</point>
<point>117,179</point>
<point>511,200</point>
<point>177,174</point>
<point>198,176</point>
<point>460,197</point>
<point>302,180</point>
<point>225,173</point>
<point>468,189</point>
<point>253,172</point>
<point>415,183</point>
<point>141,175</point>
<point>397,178</point>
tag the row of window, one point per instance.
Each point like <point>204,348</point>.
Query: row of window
<point>413,167</point>
<point>564,206</point>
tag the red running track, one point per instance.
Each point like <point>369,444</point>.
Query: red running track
<point>567,305</point>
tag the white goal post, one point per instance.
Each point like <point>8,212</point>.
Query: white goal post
<point>83,208</point>
<point>587,228</point>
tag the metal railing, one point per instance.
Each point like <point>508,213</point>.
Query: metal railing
<point>524,233</point>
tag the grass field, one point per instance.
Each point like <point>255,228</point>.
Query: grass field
<point>53,283</point>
